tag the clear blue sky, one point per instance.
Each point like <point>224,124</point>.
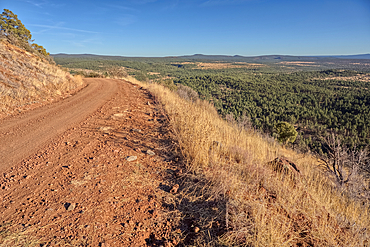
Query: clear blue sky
<point>174,27</point>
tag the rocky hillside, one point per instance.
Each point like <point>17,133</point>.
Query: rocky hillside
<point>27,80</point>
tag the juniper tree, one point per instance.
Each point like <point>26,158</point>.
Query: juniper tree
<point>18,34</point>
<point>286,132</point>
<point>11,25</point>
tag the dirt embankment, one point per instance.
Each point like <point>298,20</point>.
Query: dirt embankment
<point>87,171</point>
<point>27,79</point>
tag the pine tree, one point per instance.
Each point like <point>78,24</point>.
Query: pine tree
<point>11,25</point>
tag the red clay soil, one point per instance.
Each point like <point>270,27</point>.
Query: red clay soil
<point>65,176</point>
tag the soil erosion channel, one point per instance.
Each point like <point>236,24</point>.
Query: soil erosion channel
<point>88,170</point>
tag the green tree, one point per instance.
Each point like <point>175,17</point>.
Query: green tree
<point>10,24</point>
<point>13,28</point>
<point>40,49</point>
<point>286,132</point>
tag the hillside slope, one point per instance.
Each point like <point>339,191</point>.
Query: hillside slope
<point>259,192</point>
<point>26,78</point>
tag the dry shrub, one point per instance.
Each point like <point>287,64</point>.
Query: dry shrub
<point>187,93</point>
<point>230,184</point>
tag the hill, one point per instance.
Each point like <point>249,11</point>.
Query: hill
<point>272,63</point>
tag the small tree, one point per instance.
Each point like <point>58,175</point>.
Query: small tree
<point>11,25</point>
<point>40,49</point>
<point>341,162</point>
<point>17,34</point>
<point>286,132</point>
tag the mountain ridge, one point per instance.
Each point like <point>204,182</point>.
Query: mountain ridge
<point>230,57</point>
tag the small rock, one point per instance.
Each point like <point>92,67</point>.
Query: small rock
<point>136,130</point>
<point>148,103</point>
<point>118,115</point>
<point>175,189</point>
<point>131,158</point>
<point>196,229</point>
<point>70,206</point>
<point>105,129</point>
<point>150,152</point>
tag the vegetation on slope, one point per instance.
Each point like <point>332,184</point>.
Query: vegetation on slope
<point>234,192</point>
<point>17,34</point>
<point>27,73</point>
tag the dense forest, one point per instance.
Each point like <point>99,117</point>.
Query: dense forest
<point>315,104</point>
<point>315,100</point>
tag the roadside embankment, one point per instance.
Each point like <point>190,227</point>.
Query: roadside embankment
<point>27,80</point>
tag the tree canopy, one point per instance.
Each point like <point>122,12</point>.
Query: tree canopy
<point>18,34</point>
<point>10,24</point>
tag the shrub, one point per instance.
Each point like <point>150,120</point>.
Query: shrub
<point>286,132</point>
<point>187,93</point>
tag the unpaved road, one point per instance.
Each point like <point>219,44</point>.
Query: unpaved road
<point>65,179</point>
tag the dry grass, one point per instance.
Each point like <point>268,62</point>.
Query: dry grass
<point>20,238</point>
<point>26,78</point>
<point>230,184</point>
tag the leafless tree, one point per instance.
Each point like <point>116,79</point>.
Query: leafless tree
<point>346,167</point>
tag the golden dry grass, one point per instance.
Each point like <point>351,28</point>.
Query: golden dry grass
<point>26,78</point>
<point>261,207</point>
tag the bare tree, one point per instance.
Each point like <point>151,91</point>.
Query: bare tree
<point>345,166</point>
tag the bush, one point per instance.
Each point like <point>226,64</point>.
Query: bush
<point>168,83</point>
<point>187,93</point>
<point>286,132</point>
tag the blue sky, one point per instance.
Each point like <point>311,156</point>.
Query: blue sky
<point>174,27</point>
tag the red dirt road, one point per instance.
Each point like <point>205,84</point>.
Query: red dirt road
<point>65,178</point>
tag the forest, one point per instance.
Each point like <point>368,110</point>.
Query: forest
<point>311,101</point>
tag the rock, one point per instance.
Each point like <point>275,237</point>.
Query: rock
<point>105,129</point>
<point>148,103</point>
<point>136,130</point>
<point>196,229</point>
<point>118,115</point>
<point>283,165</point>
<point>131,158</point>
<point>150,152</point>
<point>174,189</point>
<point>69,206</point>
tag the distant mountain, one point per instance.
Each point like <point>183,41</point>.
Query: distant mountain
<point>359,56</point>
<point>272,58</point>
<point>236,58</point>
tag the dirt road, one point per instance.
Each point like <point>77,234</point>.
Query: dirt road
<point>90,170</point>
